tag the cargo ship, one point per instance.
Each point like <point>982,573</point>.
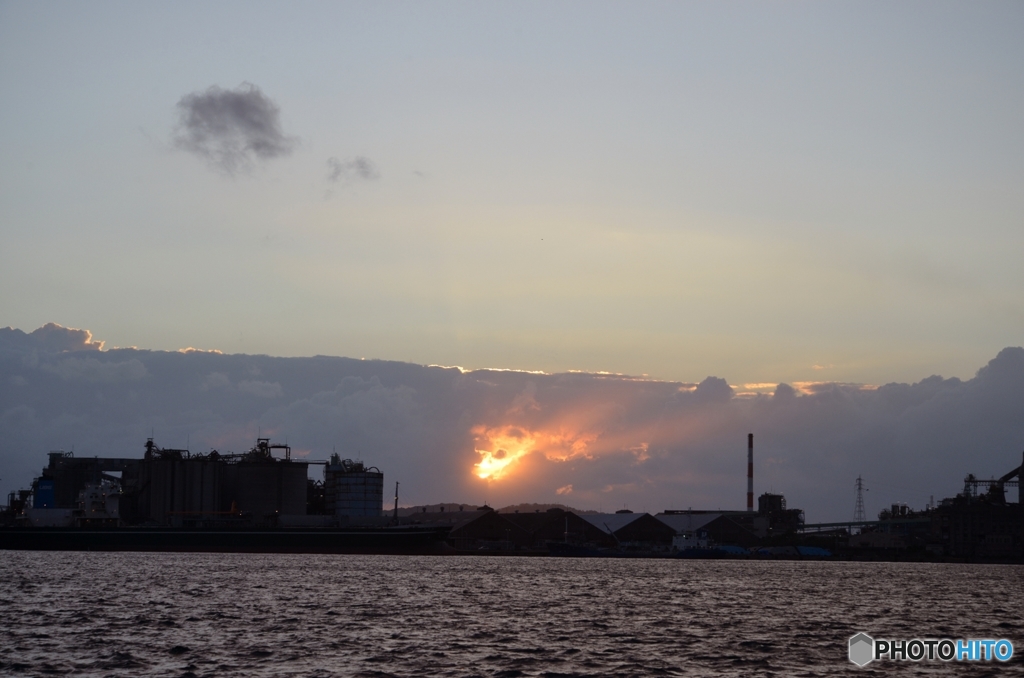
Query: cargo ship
<point>260,501</point>
<point>399,540</point>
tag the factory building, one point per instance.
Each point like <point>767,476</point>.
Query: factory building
<point>720,527</point>
<point>264,485</point>
<point>488,531</point>
<point>66,476</point>
<point>171,487</point>
<point>979,523</point>
<point>741,528</point>
<point>690,526</point>
<point>781,520</point>
<point>633,531</point>
<point>485,529</point>
<point>559,525</point>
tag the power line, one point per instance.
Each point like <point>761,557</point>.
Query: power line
<point>858,510</point>
<point>899,488</point>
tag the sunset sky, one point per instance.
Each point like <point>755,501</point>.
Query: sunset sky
<point>706,199</point>
<point>764,192</point>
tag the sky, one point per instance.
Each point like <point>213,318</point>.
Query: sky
<point>762,193</point>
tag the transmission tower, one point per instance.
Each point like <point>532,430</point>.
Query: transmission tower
<point>858,511</point>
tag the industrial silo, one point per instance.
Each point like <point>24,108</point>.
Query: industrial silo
<point>352,489</point>
<point>264,486</point>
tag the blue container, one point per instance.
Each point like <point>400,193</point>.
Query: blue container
<point>43,494</point>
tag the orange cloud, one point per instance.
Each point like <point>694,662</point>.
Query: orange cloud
<point>813,387</point>
<point>640,452</point>
<point>500,448</point>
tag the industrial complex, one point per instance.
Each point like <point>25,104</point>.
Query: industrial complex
<point>261,500</point>
<point>263,487</point>
<point>178,500</point>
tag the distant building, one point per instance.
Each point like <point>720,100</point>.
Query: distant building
<point>781,520</point>
<point>171,487</point>
<point>633,531</point>
<point>558,525</point>
<point>979,527</point>
<point>979,523</point>
<point>740,528</point>
<point>488,530</point>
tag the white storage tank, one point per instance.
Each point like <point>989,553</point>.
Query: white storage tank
<point>352,489</point>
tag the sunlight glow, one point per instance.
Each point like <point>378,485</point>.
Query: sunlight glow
<point>502,447</point>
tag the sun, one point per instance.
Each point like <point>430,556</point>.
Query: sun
<point>500,449</point>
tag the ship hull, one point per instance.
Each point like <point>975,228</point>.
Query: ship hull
<point>408,541</point>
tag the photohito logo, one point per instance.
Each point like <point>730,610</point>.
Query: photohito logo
<point>864,649</point>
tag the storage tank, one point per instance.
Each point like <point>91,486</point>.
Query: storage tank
<point>265,486</point>
<point>181,487</point>
<point>352,489</point>
<point>177,486</point>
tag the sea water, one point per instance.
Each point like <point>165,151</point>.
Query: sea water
<point>146,614</point>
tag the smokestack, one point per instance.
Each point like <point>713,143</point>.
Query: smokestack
<point>750,471</point>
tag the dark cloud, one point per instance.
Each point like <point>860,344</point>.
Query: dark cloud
<point>374,421</point>
<point>91,369</point>
<point>616,440</point>
<point>785,392</point>
<point>263,389</point>
<point>354,169</point>
<point>714,390</point>
<point>231,129</point>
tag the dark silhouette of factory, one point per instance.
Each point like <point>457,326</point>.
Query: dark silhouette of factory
<point>977,525</point>
<point>565,532</point>
<point>264,486</point>
<point>259,501</point>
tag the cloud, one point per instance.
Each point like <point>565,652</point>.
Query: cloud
<point>263,389</point>
<point>784,392</point>
<point>714,390</point>
<point>615,440</point>
<point>361,418</point>
<point>231,129</point>
<point>216,381</point>
<point>812,387</point>
<point>50,337</point>
<point>91,369</point>
<point>20,417</point>
<point>354,169</point>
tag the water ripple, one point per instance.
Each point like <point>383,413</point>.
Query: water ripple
<point>94,614</point>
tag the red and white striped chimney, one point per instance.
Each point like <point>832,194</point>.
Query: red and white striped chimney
<point>750,471</point>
